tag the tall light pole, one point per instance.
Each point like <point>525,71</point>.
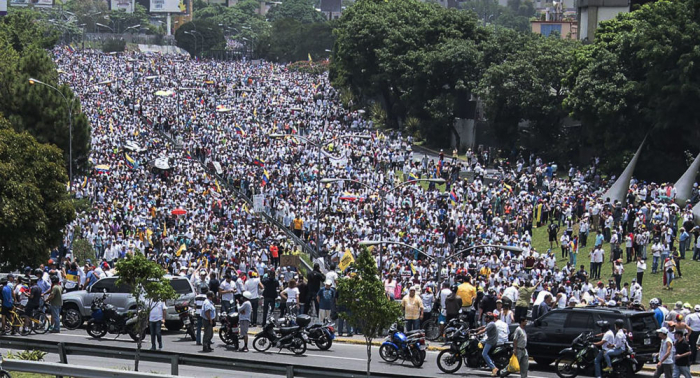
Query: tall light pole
<point>320,146</point>
<point>440,260</point>
<point>383,191</point>
<point>195,41</point>
<point>33,81</point>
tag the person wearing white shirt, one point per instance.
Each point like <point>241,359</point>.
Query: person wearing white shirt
<point>156,319</point>
<point>227,288</point>
<point>333,276</point>
<point>607,344</point>
<point>253,286</point>
<point>291,296</point>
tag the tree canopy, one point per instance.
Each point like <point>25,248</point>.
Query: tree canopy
<point>35,203</point>
<point>299,10</point>
<point>375,312</point>
<point>640,77</point>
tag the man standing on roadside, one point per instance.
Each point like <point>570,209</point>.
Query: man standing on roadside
<point>7,303</point>
<point>55,302</point>
<point>682,366</point>
<point>325,298</point>
<point>519,346</point>
<point>413,309</point>
<point>156,319</point>
<point>208,314</point>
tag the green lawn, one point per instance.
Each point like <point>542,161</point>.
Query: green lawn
<point>683,289</point>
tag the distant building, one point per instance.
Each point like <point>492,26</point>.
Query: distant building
<point>331,9</point>
<point>592,12</point>
<point>566,29</point>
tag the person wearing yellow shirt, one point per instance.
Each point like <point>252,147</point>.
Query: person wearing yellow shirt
<point>485,271</point>
<point>298,225</point>
<point>413,309</point>
<point>468,294</point>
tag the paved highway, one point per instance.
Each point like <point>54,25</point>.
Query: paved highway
<point>341,355</point>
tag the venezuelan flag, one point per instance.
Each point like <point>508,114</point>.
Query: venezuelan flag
<point>259,162</point>
<point>412,177</point>
<point>347,196</point>
<point>130,162</point>
<point>239,130</point>
<point>453,196</point>
<point>265,177</point>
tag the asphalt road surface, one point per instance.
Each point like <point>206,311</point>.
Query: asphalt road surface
<point>349,356</point>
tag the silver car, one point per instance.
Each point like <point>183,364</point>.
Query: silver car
<point>76,304</point>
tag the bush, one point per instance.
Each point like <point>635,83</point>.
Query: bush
<point>83,250</point>
<point>26,355</point>
<point>114,45</point>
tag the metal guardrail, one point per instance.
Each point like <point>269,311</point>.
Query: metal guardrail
<point>53,369</point>
<point>177,359</point>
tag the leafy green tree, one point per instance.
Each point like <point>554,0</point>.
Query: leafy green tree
<point>291,41</point>
<point>415,59</point>
<point>527,86</point>
<point>365,300</point>
<point>208,37</point>
<point>299,10</point>
<point>35,203</point>
<point>21,29</point>
<point>638,78</point>
<point>120,20</point>
<point>40,110</point>
<point>148,286</point>
<point>89,12</point>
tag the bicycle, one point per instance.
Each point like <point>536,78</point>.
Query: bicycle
<point>38,325</point>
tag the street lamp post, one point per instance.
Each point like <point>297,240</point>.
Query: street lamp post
<point>33,81</point>
<point>195,41</point>
<point>383,193</point>
<point>440,260</point>
<point>320,146</point>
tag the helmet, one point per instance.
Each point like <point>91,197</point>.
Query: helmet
<point>697,308</point>
<point>247,294</point>
<point>619,323</point>
<point>654,302</point>
<point>38,272</point>
<point>454,289</point>
<point>203,288</point>
<point>54,279</point>
<point>687,305</point>
<point>603,324</point>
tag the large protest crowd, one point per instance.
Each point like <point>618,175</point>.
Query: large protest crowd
<point>177,142</point>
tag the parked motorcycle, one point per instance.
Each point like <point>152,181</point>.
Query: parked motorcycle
<point>410,346</point>
<point>229,332</point>
<point>432,326</point>
<point>321,334</point>
<point>106,319</point>
<point>580,358</point>
<point>460,322</point>
<point>273,335</point>
<point>186,314</point>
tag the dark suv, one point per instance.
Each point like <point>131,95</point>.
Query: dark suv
<point>556,330</point>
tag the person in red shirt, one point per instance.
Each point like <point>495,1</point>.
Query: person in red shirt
<point>275,251</point>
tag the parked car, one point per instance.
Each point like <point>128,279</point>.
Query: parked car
<point>556,330</point>
<point>76,304</point>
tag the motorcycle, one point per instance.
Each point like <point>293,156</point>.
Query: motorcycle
<point>409,346</point>
<point>273,334</point>
<point>186,314</point>
<point>461,321</point>
<point>450,360</point>
<point>581,356</point>
<point>320,334</point>
<point>470,349</point>
<point>106,319</point>
<point>229,331</point>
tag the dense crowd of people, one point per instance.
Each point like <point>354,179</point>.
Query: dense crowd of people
<point>176,142</point>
